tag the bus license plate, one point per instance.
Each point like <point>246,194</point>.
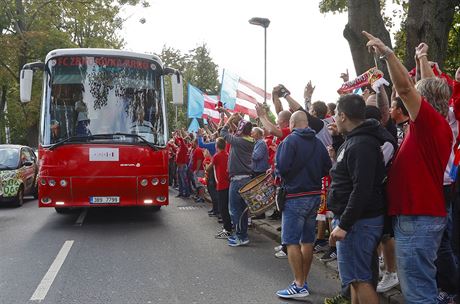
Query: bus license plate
<point>104,199</point>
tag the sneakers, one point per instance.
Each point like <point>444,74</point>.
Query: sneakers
<point>389,280</point>
<point>224,234</point>
<point>330,255</point>
<point>234,241</point>
<point>281,255</point>
<point>338,299</point>
<point>292,291</point>
<point>320,246</point>
<point>278,248</point>
<point>445,298</point>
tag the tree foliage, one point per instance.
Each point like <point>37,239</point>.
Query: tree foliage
<point>198,69</point>
<point>434,22</point>
<point>30,29</point>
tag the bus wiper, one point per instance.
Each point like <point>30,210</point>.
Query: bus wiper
<point>71,139</point>
<point>153,146</point>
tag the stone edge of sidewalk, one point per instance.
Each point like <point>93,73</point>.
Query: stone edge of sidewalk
<point>269,228</point>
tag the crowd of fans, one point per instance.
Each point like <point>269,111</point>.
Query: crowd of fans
<point>369,181</point>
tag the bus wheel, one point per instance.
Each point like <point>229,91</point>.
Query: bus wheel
<point>62,210</point>
<point>155,208</point>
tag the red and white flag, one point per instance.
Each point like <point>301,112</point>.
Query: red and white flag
<point>240,95</point>
<point>209,111</point>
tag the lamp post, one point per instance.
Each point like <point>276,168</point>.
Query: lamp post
<point>263,22</point>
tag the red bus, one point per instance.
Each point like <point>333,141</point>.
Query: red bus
<point>103,128</point>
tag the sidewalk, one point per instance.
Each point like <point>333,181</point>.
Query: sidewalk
<point>269,228</point>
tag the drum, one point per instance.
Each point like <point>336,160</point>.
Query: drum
<point>259,194</point>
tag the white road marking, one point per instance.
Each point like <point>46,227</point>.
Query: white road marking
<point>45,284</point>
<point>81,218</point>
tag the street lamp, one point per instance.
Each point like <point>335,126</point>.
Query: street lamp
<point>263,22</point>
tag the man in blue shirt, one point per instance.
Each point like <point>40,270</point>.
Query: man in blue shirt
<point>260,154</point>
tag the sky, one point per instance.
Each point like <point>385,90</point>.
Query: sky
<point>302,43</point>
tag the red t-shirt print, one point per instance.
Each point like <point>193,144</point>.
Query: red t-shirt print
<point>220,162</point>
<point>415,179</point>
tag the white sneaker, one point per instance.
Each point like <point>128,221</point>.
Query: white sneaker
<point>280,255</point>
<point>389,280</point>
<point>278,248</point>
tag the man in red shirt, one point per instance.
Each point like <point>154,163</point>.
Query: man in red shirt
<point>220,166</point>
<point>197,169</point>
<point>181,161</point>
<point>415,180</point>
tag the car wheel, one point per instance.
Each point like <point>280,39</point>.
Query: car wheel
<point>63,210</point>
<point>20,197</point>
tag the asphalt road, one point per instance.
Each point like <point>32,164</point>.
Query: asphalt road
<point>135,256</point>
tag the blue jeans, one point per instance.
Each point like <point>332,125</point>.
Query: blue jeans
<point>182,173</point>
<point>237,207</point>
<point>417,241</point>
<point>446,263</point>
<point>298,220</point>
<point>356,253</point>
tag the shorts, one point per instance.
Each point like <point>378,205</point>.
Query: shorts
<point>197,176</point>
<point>356,251</point>
<point>298,220</point>
<point>388,231</point>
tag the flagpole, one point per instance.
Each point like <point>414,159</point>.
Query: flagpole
<point>265,66</point>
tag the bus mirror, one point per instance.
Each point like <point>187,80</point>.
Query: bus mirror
<point>26,85</point>
<point>177,88</point>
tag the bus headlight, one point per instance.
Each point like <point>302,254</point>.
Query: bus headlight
<point>52,182</point>
<point>155,181</point>
<point>144,182</point>
<point>63,183</point>
<point>163,181</point>
<point>43,182</point>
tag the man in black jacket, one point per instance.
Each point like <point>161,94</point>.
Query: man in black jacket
<point>356,197</point>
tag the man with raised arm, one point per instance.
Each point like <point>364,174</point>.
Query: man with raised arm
<point>415,180</point>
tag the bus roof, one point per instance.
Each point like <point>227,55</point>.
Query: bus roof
<point>101,52</point>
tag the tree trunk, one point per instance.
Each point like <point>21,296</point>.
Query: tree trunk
<point>429,21</point>
<point>3,114</point>
<point>365,15</point>
<point>21,28</point>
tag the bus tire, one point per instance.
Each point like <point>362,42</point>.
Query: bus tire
<point>155,208</point>
<point>62,210</point>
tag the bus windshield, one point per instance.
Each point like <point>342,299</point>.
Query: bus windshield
<point>94,95</point>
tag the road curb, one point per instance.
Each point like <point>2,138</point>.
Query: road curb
<point>269,229</point>
<point>392,296</point>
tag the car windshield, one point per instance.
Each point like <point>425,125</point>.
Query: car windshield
<point>9,158</point>
<point>103,95</point>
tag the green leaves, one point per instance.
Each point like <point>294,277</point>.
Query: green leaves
<point>199,69</point>
<point>30,29</point>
